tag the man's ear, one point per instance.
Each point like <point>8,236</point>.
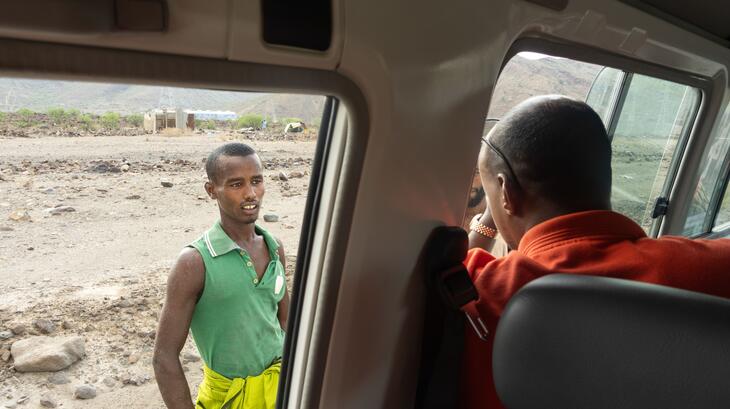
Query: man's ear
<point>210,190</point>
<point>508,196</point>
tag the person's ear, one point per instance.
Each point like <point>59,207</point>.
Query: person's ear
<point>508,196</point>
<point>210,190</point>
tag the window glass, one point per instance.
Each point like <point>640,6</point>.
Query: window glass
<point>723,216</point>
<point>604,91</point>
<point>711,168</point>
<point>101,187</point>
<point>650,124</point>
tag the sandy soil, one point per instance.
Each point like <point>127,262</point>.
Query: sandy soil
<point>99,270</point>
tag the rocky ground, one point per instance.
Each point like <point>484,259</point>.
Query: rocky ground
<point>89,227</point>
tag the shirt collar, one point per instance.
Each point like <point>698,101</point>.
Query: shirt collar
<point>603,224</point>
<point>219,243</point>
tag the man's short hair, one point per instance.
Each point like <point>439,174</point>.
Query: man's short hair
<point>559,150</point>
<point>228,149</point>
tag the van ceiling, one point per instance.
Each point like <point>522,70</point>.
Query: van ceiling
<point>708,18</point>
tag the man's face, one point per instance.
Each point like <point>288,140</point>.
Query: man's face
<point>494,191</point>
<point>238,187</point>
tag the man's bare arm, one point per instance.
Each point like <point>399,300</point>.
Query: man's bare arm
<point>184,285</point>
<point>283,313</point>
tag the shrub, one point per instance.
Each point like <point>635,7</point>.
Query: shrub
<point>110,120</point>
<point>285,121</point>
<point>57,115</point>
<point>134,120</point>
<point>250,121</point>
<point>205,124</point>
<point>87,122</point>
<point>26,117</point>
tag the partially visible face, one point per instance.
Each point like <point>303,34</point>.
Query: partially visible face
<point>494,190</point>
<point>238,187</point>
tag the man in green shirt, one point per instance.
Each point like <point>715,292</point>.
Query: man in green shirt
<point>229,290</point>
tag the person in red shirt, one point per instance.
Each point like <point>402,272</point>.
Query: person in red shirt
<point>546,172</point>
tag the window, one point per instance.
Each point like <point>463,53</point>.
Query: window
<point>714,160</point>
<point>649,118</point>
<point>101,186</point>
<point>646,118</point>
<point>723,216</point>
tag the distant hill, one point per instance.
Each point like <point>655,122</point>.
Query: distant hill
<point>521,78</point>
<point>42,95</point>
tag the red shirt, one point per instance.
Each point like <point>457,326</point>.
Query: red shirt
<point>601,243</point>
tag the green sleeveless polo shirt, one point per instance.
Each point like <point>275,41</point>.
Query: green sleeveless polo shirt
<point>235,324</point>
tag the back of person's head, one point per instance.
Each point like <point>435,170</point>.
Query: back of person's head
<point>559,151</point>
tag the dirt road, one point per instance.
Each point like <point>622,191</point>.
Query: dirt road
<point>87,235</point>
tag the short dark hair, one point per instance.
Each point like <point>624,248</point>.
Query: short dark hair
<point>559,150</point>
<point>228,149</point>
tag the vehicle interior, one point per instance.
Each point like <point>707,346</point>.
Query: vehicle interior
<point>410,87</point>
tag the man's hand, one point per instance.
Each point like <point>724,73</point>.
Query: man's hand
<point>184,286</point>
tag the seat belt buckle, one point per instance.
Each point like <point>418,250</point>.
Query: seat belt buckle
<point>457,290</point>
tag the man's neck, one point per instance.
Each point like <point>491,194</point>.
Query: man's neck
<point>237,231</point>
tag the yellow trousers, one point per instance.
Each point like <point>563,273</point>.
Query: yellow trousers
<point>253,392</point>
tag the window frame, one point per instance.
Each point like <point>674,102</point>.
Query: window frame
<point>680,179</point>
<point>36,59</point>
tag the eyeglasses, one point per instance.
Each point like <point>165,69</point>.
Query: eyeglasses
<point>499,152</point>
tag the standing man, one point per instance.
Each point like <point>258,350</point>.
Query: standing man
<point>228,289</point>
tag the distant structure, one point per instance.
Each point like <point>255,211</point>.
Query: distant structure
<point>214,115</point>
<point>294,127</point>
<point>161,119</point>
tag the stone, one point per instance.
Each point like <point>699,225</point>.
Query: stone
<point>20,216</point>
<point>66,325</point>
<point>47,354</point>
<point>271,218</point>
<point>10,405</point>
<point>59,210</point>
<point>5,335</point>
<point>5,356</point>
<point>45,326</point>
<point>133,197</point>
<point>109,381</point>
<point>48,402</point>
<point>58,378</point>
<point>125,303</point>
<point>49,190</point>
<point>296,174</point>
<point>136,380</point>
<point>133,358</point>
<point>21,400</point>
<point>85,392</point>
<point>166,183</point>
<point>125,168</point>
<point>283,176</point>
<point>6,228</point>
<point>190,357</point>
<point>18,328</point>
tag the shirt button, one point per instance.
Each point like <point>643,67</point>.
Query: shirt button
<point>255,280</point>
<point>248,263</point>
<point>242,252</point>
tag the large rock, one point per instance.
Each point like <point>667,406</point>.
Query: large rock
<point>44,354</point>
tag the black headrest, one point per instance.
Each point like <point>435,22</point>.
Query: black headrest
<point>569,341</point>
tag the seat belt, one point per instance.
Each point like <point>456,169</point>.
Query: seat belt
<point>448,288</point>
